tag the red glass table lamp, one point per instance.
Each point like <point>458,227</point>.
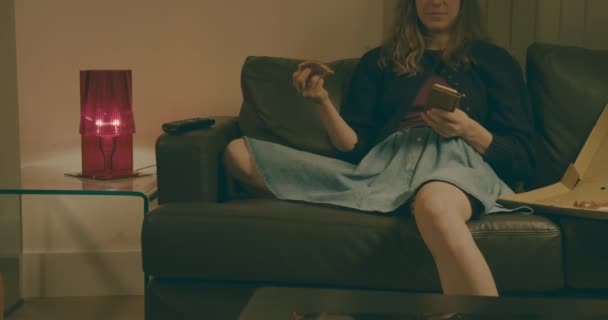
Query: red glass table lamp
<point>106,124</point>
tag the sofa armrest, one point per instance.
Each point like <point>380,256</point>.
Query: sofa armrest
<point>189,166</point>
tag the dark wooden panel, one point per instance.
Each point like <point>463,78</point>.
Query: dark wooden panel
<point>596,24</point>
<point>389,13</point>
<point>548,21</point>
<point>572,31</point>
<point>499,22</point>
<point>523,30</point>
<point>483,5</point>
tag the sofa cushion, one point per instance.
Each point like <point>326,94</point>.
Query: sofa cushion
<point>273,110</point>
<point>266,240</point>
<point>568,91</point>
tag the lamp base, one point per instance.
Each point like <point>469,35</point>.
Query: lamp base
<point>114,177</point>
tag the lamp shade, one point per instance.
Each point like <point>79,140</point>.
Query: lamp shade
<point>106,124</point>
<point>105,103</point>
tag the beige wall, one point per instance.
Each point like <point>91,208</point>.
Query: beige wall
<point>515,24</point>
<point>9,122</point>
<point>186,55</point>
<point>10,236</point>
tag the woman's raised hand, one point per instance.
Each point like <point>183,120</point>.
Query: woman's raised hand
<point>309,80</point>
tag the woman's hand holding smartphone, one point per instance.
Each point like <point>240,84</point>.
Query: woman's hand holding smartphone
<point>443,97</point>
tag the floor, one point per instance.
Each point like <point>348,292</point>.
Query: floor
<point>90,308</point>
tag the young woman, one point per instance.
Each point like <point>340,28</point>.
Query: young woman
<point>448,167</point>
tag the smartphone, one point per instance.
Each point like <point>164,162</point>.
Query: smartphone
<point>443,97</point>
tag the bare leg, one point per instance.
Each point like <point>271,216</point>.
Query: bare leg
<point>240,165</point>
<point>441,211</point>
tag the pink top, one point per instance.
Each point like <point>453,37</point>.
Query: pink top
<point>412,118</point>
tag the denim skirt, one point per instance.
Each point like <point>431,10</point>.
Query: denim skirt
<point>385,178</point>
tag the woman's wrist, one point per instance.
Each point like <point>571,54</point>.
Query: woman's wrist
<point>325,101</point>
<point>469,130</point>
<point>324,104</point>
<point>477,136</point>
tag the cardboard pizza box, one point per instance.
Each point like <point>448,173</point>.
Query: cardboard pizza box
<point>585,180</point>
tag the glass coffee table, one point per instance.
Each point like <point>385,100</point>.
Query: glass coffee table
<point>283,303</point>
<point>51,181</point>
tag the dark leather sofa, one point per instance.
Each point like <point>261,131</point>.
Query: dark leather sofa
<point>209,243</point>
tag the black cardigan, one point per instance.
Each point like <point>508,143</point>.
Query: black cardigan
<point>496,97</point>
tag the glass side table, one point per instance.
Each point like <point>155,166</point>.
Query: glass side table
<point>10,251</point>
<point>47,181</point>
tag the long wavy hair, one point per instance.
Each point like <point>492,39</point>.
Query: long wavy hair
<point>402,50</point>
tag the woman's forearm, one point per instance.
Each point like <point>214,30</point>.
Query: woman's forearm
<point>342,136</point>
<point>478,137</point>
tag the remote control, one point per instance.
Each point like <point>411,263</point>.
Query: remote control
<point>185,125</point>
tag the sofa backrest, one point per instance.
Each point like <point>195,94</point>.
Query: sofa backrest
<point>569,90</point>
<point>273,110</point>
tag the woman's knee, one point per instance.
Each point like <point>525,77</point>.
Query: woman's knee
<point>439,205</point>
<point>236,158</point>
<point>240,165</point>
